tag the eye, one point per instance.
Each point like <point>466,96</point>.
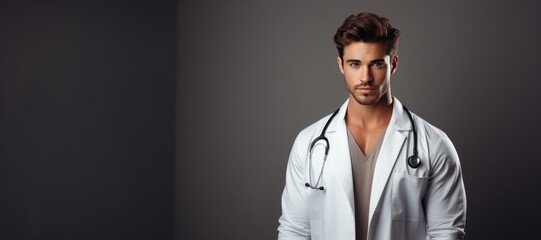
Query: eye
<point>354,65</point>
<point>379,64</point>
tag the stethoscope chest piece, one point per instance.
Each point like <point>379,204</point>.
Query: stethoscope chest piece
<point>414,161</point>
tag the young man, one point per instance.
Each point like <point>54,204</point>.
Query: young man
<point>372,170</point>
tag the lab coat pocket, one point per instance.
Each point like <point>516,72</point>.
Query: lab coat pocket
<point>407,196</point>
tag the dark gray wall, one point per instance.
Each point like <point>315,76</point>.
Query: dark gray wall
<point>87,95</point>
<point>87,110</point>
<point>252,74</point>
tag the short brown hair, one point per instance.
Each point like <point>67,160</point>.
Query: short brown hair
<point>366,27</point>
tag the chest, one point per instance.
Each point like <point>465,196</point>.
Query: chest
<point>366,138</point>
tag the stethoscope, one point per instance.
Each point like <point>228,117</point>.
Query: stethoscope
<point>413,161</point>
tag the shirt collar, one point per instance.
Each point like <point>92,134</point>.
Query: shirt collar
<point>399,118</point>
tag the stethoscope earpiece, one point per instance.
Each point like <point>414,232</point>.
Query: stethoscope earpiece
<point>310,186</point>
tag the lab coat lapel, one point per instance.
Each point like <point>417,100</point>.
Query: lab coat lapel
<point>393,142</point>
<point>339,153</point>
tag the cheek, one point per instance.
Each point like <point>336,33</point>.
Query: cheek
<point>348,77</point>
<point>382,75</point>
<point>351,75</point>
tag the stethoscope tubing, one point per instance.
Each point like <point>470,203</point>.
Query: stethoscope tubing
<point>413,161</point>
<point>327,147</point>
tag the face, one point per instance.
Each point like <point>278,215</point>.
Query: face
<point>367,70</point>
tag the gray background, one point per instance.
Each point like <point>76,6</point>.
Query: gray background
<point>252,74</point>
<point>87,119</point>
<point>131,120</point>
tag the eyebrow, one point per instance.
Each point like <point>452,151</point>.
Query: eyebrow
<point>358,61</point>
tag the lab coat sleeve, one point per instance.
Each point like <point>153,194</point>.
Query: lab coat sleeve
<point>445,197</point>
<point>294,222</point>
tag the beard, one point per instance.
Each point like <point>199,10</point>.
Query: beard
<point>370,98</point>
<point>366,99</point>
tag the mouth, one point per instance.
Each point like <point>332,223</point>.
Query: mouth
<point>365,89</point>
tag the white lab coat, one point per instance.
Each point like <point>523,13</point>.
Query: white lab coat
<point>428,202</point>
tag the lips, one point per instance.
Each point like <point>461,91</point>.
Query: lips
<point>366,89</point>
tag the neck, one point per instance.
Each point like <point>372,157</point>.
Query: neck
<point>368,116</point>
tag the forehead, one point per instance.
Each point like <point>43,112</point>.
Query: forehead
<point>365,50</point>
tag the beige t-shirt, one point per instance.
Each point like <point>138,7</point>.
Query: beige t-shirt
<point>363,173</point>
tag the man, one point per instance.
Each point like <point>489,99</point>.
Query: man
<point>387,173</point>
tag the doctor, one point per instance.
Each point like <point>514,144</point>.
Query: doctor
<point>365,188</point>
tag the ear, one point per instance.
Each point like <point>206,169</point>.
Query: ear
<point>394,64</point>
<point>340,66</point>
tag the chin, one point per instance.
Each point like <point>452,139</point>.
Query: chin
<point>366,100</point>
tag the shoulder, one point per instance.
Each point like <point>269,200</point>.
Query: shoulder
<point>304,138</point>
<point>432,133</point>
<point>439,147</point>
<point>311,131</point>
<point>423,129</point>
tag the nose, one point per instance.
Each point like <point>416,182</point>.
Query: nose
<point>366,75</point>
